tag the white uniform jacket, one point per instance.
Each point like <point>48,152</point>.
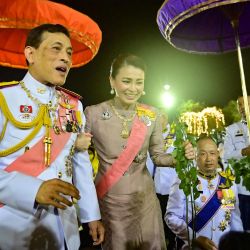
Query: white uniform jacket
<point>236,139</point>
<point>23,226</point>
<point>175,216</point>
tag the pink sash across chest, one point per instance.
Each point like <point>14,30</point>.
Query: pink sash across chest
<point>124,160</point>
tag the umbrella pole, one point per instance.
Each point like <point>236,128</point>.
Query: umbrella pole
<point>235,26</point>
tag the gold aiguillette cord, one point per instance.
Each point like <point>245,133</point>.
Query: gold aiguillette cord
<point>47,139</point>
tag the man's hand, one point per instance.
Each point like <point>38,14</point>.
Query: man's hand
<point>83,141</point>
<point>52,192</point>
<point>204,243</point>
<point>96,230</point>
<point>246,151</point>
<point>189,150</point>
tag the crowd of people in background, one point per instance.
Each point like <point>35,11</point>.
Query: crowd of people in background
<point>48,187</point>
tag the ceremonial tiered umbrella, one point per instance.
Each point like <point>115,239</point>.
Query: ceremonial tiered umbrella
<point>17,17</point>
<point>208,26</point>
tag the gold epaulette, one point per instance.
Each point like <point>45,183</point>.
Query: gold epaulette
<point>69,92</point>
<point>8,84</point>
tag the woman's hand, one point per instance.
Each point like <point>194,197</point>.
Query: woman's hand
<point>97,231</point>
<point>83,141</point>
<point>189,150</point>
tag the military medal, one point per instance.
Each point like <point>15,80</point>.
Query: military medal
<point>26,117</point>
<point>203,198</point>
<point>69,127</point>
<point>228,198</point>
<point>223,225</point>
<point>210,185</point>
<point>219,194</point>
<point>66,102</point>
<point>56,130</point>
<point>76,127</point>
<point>199,187</point>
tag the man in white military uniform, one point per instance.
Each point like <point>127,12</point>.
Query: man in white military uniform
<point>236,145</point>
<point>39,124</point>
<point>217,209</point>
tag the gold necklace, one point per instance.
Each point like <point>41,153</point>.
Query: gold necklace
<point>52,109</point>
<point>125,131</point>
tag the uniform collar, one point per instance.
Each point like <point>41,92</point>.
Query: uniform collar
<point>207,176</point>
<point>37,89</point>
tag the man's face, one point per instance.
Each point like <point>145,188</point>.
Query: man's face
<point>207,156</point>
<point>241,108</point>
<point>51,61</point>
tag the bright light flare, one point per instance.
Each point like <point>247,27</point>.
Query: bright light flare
<point>166,86</point>
<point>168,99</point>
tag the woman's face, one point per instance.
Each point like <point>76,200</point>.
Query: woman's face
<point>128,84</point>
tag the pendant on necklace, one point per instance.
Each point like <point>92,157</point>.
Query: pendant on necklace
<point>124,134</point>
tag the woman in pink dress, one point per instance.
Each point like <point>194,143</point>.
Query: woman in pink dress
<point>124,130</point>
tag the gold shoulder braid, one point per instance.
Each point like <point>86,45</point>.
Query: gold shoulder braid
<point>8,84</point>
<point>36,123</point>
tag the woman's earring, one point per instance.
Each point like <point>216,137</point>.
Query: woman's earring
<point>143,92</point>
<point>112,91</point>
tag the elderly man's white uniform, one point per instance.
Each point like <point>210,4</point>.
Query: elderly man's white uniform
<point>22,223</point>
<point>236,139</point>
<point>222,221</point>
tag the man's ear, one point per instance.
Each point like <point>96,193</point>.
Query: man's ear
<point>29,54</point>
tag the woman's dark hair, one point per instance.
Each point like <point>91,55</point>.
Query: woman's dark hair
<point>34,38</point>
<point>125,60</point>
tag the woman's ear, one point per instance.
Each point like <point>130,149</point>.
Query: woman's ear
<point>111,81</point>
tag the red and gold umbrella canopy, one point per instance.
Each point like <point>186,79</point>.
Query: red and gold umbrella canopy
<point>17,17</point>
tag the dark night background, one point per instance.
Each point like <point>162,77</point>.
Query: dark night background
<point>130,26</point>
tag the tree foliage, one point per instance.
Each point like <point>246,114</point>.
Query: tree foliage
<point>231,113</point>
<point>191,106</point>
